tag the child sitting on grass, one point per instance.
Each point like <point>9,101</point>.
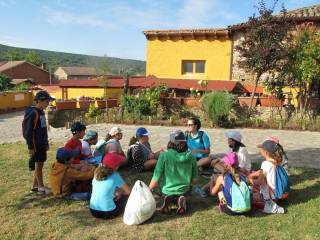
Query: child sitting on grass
<point>231,188</point>
<point>113,141</point>
<point>265,178</point>
<point>140,156</point>
<point>91,138</point>
<point>74,144</point>
<point>177,170</point>
<point>109,191</point>
<point>63,174</point>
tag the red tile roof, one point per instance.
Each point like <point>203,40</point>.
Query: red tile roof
<point>150,81</point>
<point>185,84</point>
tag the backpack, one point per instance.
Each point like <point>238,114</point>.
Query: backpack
<point>129,154</point>
<point>100,148</point>
<point>25,118</point>
<point>200,136</point>
<point>282,185</point>
<point>238,197</point>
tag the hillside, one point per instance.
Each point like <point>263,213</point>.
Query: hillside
<point>54,59</point>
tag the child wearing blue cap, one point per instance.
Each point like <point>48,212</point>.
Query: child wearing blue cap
<point>63,173</point>
<point>140,156</point>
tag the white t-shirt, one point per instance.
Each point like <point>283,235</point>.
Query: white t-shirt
<point>268,169</point>
<point>244,159</point>
<point>86,150</point>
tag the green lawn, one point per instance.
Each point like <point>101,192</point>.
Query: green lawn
<point>27,216</point>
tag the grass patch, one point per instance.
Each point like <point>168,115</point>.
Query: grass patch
<point>27,216</point>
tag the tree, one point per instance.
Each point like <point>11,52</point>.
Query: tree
<point>302,68</point>
<point>264,45</point>
<point>102,70</point>
<point>5,83</point>
<point>13,55</point>
<point>33,57</point>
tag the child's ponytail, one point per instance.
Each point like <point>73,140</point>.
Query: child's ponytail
<point>235,176</point>
<point>102,172</point>
<point>108,137</point>
<point>132,141</point>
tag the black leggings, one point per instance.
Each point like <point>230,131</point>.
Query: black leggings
<point>120,206</point>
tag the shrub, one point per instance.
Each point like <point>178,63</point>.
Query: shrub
<point>217,106</point>
<point>93,112</point>
<point>145,103</point>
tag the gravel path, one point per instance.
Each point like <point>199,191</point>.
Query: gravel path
<point>303,148</point>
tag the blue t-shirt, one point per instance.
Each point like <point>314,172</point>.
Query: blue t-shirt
<point>195,143</point>
<point>103,192</point>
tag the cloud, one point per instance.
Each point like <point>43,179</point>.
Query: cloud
<point>56,17</point>
<point>195,13</point>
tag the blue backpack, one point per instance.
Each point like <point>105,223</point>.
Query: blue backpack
<point>282,185</point>
<point>238,197</point>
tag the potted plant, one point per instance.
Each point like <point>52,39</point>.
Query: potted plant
<point>101,102</point>
<point>245,101</point>
<point>193,100</point>
<point>270,101</point>
<point>85,102</point>
<point>62,104</point>
<point>112,102</point>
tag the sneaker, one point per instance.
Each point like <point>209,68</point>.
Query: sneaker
<point>271,207</point>
<point>34,189</point>
<point>44,190</point>
<point>198,190</point>
<point>165,208</point>
<point>182,205</point>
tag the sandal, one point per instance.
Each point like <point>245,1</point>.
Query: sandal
<point>34,189</point>
<point>182,205</point>
<point>165,209</point>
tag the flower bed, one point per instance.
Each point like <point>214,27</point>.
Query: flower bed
<point>66,105</point>
<point>102,104</point>
<point>111,103</point>
<point>191,102</point>
<point>271,102</point>
<point>85,104</point>
<point>245,101</point>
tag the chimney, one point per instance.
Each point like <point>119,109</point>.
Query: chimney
<point>43,66</point>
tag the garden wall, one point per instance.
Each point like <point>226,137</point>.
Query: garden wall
<point>15,100</point>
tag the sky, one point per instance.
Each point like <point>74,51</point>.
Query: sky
<point>114,27</point>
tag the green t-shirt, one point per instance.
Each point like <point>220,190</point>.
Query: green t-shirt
<point>175,171</point>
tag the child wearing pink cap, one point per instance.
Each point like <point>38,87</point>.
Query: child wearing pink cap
<point>222,185</point>
<point>109,191</point>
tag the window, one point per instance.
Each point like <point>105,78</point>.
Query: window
<point>200,67</point>
<point>187,66</point>
<point>193,67</point>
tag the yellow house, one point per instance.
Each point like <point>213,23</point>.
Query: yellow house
<point>91,88</point>
<point>189,54</point>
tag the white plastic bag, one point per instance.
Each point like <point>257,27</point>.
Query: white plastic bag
<point>141,205</point>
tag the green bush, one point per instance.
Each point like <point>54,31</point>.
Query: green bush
<point>145,103</point>
<point>217,106</point>
<point>5,83</point>
<point>93,112</point>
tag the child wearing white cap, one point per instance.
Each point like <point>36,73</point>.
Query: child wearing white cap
<point>113,141</point>
<point>236,146</point>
